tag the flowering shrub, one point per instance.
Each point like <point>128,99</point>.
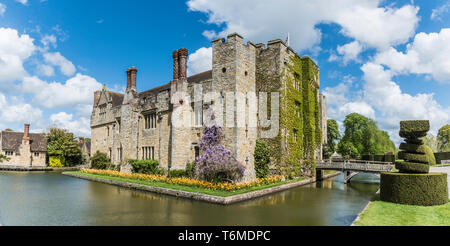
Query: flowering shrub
<point>186,181</point>
<point>55,162</point>
<point>217,164</point>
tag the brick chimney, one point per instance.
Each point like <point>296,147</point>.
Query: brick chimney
<point>175,65</point>
<point>131,78</point>
<point>80,140</point>
<point>182,62</point>
<point>26,132</point>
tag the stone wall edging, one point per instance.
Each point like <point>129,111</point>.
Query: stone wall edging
<point>198,196</point>
<point>36,169</point>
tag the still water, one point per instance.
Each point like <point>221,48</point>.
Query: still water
<point>55,199</point>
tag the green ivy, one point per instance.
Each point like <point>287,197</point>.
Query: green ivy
<point>299,117</point>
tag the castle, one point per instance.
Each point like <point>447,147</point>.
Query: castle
<point>165,123</point>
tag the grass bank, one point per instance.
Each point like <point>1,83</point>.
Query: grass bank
<point>381,213</point>
<point>220,193</point>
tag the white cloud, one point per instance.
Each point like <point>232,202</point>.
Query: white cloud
<point>263,20</point>
<point>80,126</point>
<point>209,34</point>
<point>56,59</point>
<point>48,40</point>
<point>441,10</point>
<point>357,107</point>
<point>76,91</point>
<point>394,105</point>
<point>200,61</point>
<point>13,110</point>
<point>24,2</point>
<point>428,54</point>
<point>2,9</point>
<point>14,50</point>
<point>45,70</point>
<point>350,51</point>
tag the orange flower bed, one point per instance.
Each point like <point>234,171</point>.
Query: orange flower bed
<point>187,181</point>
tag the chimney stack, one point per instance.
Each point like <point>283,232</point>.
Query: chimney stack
<point>26,132</point>
<point>182,62</point>
<point>80,140</point>
<point>175,65</point>
<point>131,78</point>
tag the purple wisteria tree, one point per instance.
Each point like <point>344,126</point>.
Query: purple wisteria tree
<point>216,163</point>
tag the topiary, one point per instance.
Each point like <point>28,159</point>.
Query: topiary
<point>430,155</point>
<point>410,167</point>
<point>414,184</point>
<point>414,189</point>
<point>422,158</point>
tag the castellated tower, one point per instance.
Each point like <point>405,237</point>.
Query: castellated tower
<point>233,74</point>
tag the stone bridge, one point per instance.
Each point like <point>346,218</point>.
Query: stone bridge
<point>352,168</point>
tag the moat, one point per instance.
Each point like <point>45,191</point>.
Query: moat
<point>55,199</point>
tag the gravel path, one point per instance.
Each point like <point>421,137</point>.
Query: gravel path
<point>442,170</point>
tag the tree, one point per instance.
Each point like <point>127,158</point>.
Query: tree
<point>433,142</point>
<point>443,137</point>
<point>362,136</point>
<point>262,159</point>
<point>3,158</point>
<point>333,135</point>
<point>61,144</point>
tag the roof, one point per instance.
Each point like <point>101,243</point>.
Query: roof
<point>200,77</point>
<point>117,98</point>
<point>85,143</point>
<point>192,79</point>
<point>12,141</point>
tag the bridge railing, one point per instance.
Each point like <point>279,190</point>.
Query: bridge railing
<point>355,165</point>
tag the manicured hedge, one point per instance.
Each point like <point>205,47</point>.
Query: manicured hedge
<point>386,158</point>
<point>378,157</point>
<point>441,156</point>
<point>430,155</point>
<point>411,167</point>
<point>422,158</point>
<point>413,135</point>
<point>414,189</point>
<point>414,148</point>
<point>389,158</point>
<point>408,126</point>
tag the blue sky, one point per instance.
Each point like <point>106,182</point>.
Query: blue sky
<point>389,60</point>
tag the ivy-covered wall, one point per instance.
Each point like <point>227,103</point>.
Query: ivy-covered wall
<point>294,150</point>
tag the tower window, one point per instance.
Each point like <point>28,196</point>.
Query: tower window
<point>224,70</point>
<point>246,73</point>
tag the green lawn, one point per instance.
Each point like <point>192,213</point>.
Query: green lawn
<point>189,188</point>
<point>381,213</point>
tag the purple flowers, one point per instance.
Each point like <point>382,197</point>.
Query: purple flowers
<point>217,164</point>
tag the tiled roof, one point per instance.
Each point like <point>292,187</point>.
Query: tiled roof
<point>192,79</point>
<point>12,141</point>
<point>200,77</point>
